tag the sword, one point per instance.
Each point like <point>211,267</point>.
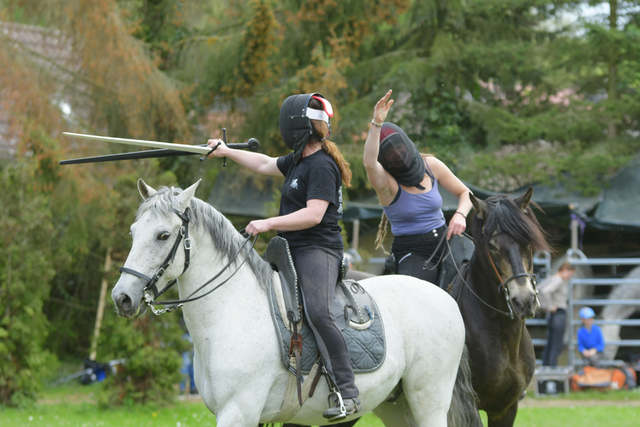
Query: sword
<point>164,149</point>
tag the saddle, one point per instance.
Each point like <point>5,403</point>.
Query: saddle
<point>354,311</point>
<point>462,250</point>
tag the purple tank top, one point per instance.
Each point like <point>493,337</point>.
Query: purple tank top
<point>416,213</point>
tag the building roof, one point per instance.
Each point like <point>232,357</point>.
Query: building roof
<point>43,47</point>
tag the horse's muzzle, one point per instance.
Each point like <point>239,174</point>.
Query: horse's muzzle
<point>125,306</point>
<point>524,306</point>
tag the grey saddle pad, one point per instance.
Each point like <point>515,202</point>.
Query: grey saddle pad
<point>356,315</point>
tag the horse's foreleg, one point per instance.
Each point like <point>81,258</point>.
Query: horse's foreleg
<point>395,414</point>
<point>238,413</point>
<point>504,419</point>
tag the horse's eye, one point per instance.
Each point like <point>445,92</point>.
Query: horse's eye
<point>163,236</point>
<point>493,246</point>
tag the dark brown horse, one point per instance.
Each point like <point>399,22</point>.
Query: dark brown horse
<point>497,294</point>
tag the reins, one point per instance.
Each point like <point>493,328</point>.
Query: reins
<point>502,287</point>
<point>435,251</point>
<point>149,299</point>
<point>459,273</point>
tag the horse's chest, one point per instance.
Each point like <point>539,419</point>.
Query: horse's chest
<point>499,379</point>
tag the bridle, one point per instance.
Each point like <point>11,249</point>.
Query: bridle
<point>502,287</point>
<point>150,290</point>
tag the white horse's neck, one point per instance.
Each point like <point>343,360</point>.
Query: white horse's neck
<point>231,302</point>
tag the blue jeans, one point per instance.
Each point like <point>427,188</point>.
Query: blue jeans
<point>555,337</point>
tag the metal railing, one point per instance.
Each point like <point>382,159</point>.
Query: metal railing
<point>594,302</point>
<point>542,270</point>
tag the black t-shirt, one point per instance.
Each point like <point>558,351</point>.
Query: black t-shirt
<point>315,177</point>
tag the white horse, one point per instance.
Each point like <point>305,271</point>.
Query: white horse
<point>239,370</point>
<point>619,312</point>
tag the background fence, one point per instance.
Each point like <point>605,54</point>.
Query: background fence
<point>577,300</point>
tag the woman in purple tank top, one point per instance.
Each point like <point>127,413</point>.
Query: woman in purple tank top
<point>406,183</point>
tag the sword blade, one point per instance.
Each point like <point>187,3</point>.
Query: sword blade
<point>142,143</point>
<point>134,155</point>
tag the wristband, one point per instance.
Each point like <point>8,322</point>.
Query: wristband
<point>378,125</point>
<point>458,212</point>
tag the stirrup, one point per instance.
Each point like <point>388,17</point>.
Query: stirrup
<point>330,404</point>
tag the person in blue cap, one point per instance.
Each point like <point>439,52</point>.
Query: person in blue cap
<point>590,338</point>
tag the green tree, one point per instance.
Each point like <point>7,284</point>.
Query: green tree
<point>151,346</point>
<point>112,86</point>
<point>26,266</point>
<point>565,108</point>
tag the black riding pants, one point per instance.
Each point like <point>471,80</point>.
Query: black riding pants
<point>318,270</point>
<point>412,251</point>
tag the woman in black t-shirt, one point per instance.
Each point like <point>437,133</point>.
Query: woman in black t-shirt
<point>310,207</point>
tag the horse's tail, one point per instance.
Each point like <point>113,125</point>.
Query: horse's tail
<point>464,402</point>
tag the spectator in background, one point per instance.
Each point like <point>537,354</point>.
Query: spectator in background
<point>590,338</point>
<point>188,383</point>
<point>553,300</point>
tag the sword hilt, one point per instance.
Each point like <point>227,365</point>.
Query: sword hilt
<point>224,138</point>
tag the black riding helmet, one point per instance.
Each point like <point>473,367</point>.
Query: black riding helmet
<point>295,120</point>
<point>399,156</point>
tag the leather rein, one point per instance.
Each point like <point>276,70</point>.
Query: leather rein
<point>151,292</point>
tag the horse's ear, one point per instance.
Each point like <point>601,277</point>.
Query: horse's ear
<point>523,201</point>
<point>187,195</point>
<point>479,206</point>
<point>145,190</point>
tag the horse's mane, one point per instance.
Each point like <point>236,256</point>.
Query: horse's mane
<point>505,214</point>
<point>225,237</point>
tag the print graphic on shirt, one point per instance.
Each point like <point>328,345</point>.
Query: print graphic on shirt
<point>294,183</point>
<point>340,200</point>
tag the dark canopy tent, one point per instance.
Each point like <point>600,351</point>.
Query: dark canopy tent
<point>555,202</point>
<point>370,208</point>
<point>238,194</point>
<point>616,209</point>
<point>620,206</point>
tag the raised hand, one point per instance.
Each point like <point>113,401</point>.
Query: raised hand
<point>381,109</point>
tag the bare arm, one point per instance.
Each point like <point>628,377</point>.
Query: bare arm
<point>257,162</point>
<point>299,220</point>
<point>381,181</point>
<point>453,185</point>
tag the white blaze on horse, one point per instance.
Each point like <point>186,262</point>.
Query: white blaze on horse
<point>238,365</point>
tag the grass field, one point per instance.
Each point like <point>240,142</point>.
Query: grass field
<point>73,405</point>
